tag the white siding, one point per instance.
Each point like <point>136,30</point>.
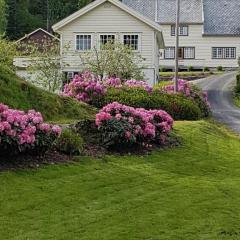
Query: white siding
<point>107,18</point>
<point>203,47</point>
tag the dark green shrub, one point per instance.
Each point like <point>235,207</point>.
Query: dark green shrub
<point>178,106</point>
<point>163,69</point>
<point>190,68</point>
<point>206,69</point>
<point>219,68</point>
<point>70,142</point>
<point>238,84</point>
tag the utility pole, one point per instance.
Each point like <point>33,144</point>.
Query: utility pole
<point>48,15</point>
<point>177,45</point>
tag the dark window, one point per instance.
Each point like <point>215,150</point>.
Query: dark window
<point>183,30</point>
<point>132,41</point>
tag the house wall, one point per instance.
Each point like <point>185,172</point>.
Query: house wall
<point>107,18</point>
<point>203,48</point>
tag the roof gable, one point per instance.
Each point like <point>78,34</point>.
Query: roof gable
<point>97,3</point>
<point>35,32</point>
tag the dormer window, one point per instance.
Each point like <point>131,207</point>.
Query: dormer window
<point>183,30</point>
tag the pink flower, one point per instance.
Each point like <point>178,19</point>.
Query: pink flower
<point>57,130</point>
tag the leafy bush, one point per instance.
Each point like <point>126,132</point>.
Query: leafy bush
<point>124,125</point>
<point>178,106</point>
<point>191,92</point>
<point>219,68</point>
<point>190,68</point>
<point>70,142</point>
<point>237,89</point>
<point>25,132</point>
<point>206,69</point>
<point>163,69</point>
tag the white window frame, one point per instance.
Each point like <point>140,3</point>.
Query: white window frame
<point>107,33</point>
<point>173,53</point>
<point>181,31</point>
<point>133,34</point>
<point>83,34</point>
<point>190,51</point>
<point>226,53</point>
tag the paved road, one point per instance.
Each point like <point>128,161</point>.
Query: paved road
<point>219,90</point>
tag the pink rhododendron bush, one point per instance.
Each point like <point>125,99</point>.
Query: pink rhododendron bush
<point>25,132</point>
<point>192,92</point>
<point>86,86</point>
<point>123,125</point>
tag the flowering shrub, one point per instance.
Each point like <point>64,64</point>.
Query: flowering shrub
<point>84,87</point>
<point>20,131</point>
<point>193,93</point>
<point>121,124</point>
<point>87,87</point>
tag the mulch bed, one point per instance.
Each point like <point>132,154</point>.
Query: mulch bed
<point>23,161</point>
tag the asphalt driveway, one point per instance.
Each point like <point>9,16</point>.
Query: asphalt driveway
<point>219,90</point>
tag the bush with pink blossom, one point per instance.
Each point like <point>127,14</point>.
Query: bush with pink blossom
<point>121,124</point>
<point>25,132</point>
<point>85,87</point>
<point>192,92</point>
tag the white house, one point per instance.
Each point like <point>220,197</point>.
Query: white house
<point>209,30</point>
<point>104,20</point>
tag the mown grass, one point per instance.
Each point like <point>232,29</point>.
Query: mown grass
<point>188,193</point>
<point>237,100</point>
<point>21,95</point>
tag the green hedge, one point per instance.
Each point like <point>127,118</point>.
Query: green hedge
<point>238,84</point>
<point>178,106</point>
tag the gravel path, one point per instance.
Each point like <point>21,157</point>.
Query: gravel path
<point>219,90</point>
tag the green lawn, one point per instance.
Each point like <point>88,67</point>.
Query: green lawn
<point>188,193</point>
<point>237,101</point>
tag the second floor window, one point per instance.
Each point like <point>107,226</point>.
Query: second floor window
<point>183,30</point>
<point>107,38</point>
<point>83,42</point>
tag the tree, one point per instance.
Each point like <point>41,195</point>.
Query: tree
<point>83,3</point>
<point>114,60</point>
<point>3,17</point>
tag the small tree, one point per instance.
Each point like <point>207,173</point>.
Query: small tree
<point>8,51</point>
<point>44,65</point>
<point>114,60</point>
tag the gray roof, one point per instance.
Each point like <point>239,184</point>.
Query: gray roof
<point>191,10</point>
<point>222,17</point>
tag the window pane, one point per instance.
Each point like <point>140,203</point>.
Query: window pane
<point>189,52</point>
<point>132,41</point>
<point>169,53</point>
<point>83,42</point>
<point>106,38</point>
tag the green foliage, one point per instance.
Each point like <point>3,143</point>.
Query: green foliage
<point>206,69</point>
<point>24,16</point>
<point>163,69</point>
<point>178,106</point>
<point>114,59</point>
<point>7,52</point>
<point>190,68</point>
<point>238,84</point>
<point>70,142</point>
<point>219,68</point>
<point>3,17</point>
<point>19,94</point>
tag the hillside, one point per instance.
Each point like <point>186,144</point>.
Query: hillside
<point>19,94</point>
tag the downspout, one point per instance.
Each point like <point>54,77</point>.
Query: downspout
<point>156,10</point>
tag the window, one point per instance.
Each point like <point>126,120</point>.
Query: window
<point>189,53</point>
<point>224,53</point>
<point>169,53</point>
<point>131,40</point>
<point>106,38</point>
<point>83,42</point>
<point>183,53</point>
<point>183,30</point>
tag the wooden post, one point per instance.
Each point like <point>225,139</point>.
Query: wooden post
<point>177,45</point>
